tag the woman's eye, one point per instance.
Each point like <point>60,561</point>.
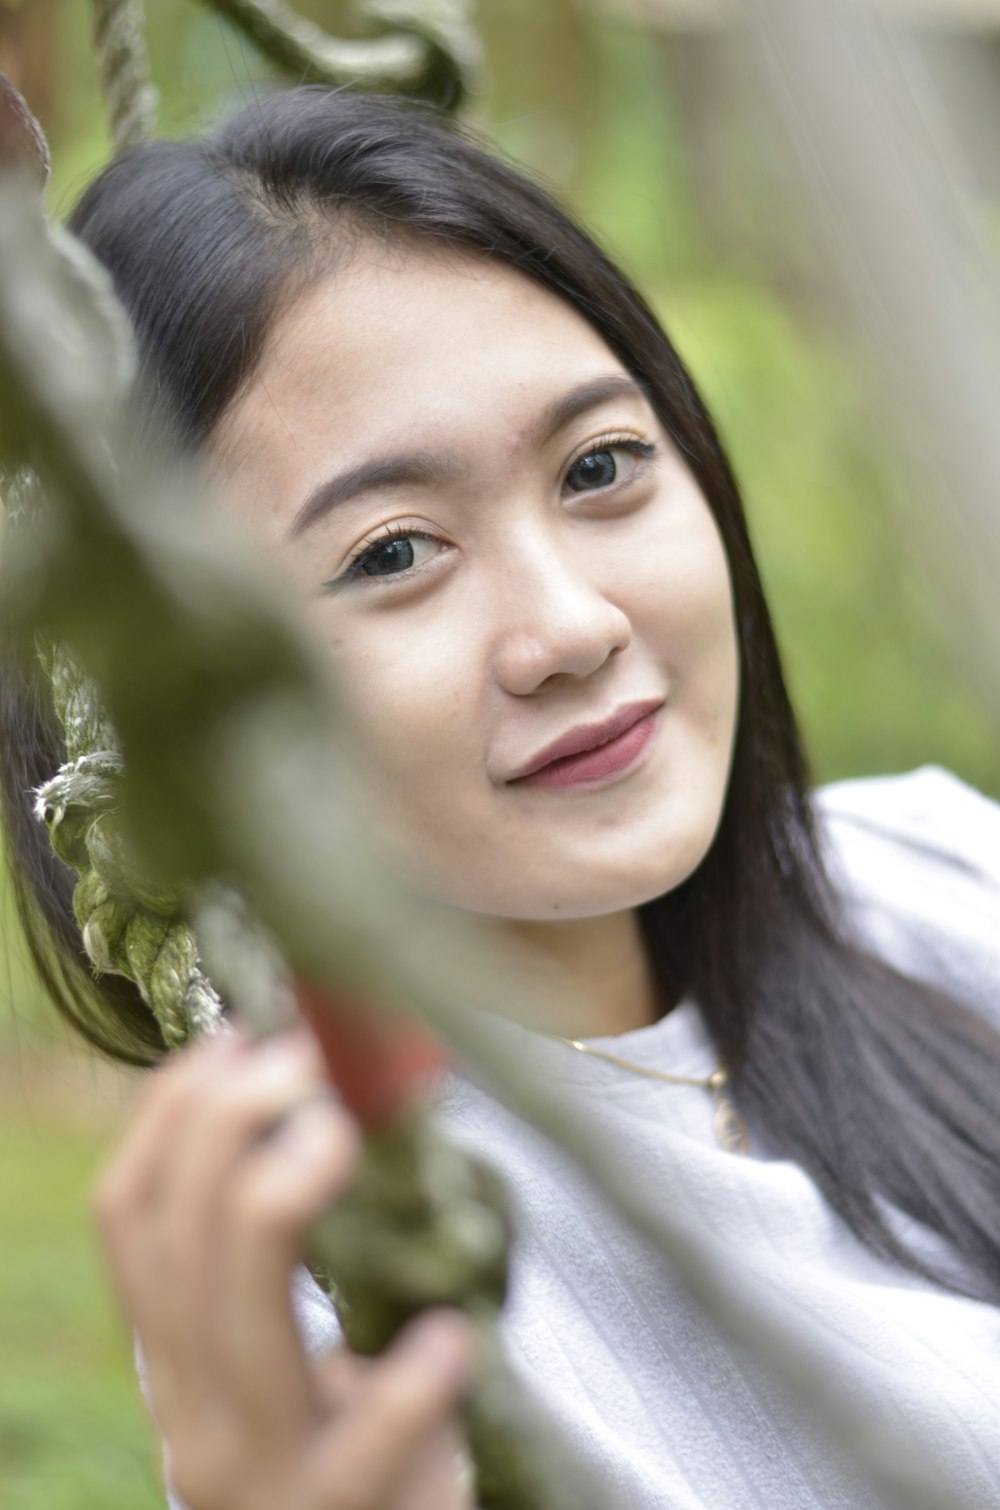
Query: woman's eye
<point>386,558</point>
<point>393,554</point>
<point>607,466</point>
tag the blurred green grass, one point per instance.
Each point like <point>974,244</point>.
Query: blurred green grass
<point>73,1435</point>
<point>874,673</point>
<point>73,1430</point>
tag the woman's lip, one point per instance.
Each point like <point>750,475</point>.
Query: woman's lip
<point>603,764</point>
<point>593,751</point>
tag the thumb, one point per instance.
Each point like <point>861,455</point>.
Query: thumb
<point>398,1430</point>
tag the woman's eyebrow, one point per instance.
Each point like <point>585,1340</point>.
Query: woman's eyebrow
<point>421,468</point>
<point>588,395</point>
<point>391,471</point>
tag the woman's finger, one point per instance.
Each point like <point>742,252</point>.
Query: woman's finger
<point>406,1399</point>
<point>338,1375</point>
<point>130,1191</point>
<point>129,1199</point>
<point>280,1190</point>
<point>130,1177</point>
<point>194,1129</point>
<point>224,1123</point>
<point>441,1474</point>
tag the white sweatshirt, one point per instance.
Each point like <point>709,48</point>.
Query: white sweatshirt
<point>651,1396</point>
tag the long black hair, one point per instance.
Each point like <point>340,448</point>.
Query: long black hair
<point>882,1088</point>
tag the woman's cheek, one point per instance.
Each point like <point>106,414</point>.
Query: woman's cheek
<point>682,600</point>
<point>410,699</point>
<point>688,618</point>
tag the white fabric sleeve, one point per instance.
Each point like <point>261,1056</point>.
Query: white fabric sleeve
<point>929,810</point>
<point>916,859</point>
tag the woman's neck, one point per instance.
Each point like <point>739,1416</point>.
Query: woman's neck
<point>608,981</point>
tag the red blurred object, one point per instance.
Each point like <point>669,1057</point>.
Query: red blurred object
<point>376,1060</point>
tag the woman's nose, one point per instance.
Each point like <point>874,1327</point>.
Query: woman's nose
<point>554,621</point>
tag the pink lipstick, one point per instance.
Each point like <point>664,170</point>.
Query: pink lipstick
<point>595,753</point>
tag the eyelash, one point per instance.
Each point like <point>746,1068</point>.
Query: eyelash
<point>642,449</point>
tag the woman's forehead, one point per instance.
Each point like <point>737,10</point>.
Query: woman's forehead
<point>392,347</point>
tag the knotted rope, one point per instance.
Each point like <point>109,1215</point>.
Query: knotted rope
<point>128,926</point>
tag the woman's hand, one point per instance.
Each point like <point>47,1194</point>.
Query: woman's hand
<point>203,1211</point>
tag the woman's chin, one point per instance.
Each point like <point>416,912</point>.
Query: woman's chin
<point>574,892</point>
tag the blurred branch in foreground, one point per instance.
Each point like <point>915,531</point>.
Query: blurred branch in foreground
<point>902,249</point>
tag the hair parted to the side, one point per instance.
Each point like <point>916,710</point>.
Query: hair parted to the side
<point>883,1089</point>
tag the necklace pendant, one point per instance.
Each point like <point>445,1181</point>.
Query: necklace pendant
<point>729,1127</point>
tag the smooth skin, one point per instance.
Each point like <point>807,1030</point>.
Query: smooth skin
<point>551,561</point>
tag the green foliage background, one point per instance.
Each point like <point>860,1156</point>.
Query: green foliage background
<point>615,119</point>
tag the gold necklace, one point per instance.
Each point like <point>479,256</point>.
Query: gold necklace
<point>727,1124</point>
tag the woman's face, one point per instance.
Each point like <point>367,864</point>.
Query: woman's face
<point>500,546</point>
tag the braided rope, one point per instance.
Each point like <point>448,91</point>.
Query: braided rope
<point>123,64</point>
<point>128,926</point>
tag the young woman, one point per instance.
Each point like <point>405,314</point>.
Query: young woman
<point>464,437</point>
